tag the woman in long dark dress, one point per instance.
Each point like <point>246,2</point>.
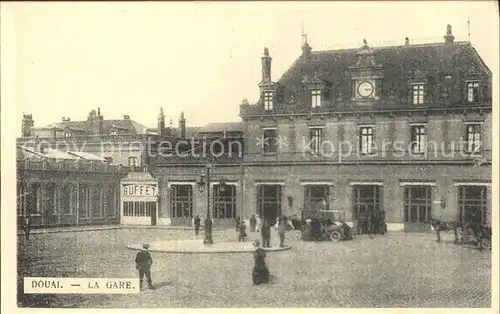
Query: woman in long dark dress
<point>260,273</point>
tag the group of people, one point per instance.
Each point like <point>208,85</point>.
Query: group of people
<point>282,225</point>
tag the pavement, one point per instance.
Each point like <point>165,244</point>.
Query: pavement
<point>196,246</point>
<point>101,227</point>
<point>394,270</point>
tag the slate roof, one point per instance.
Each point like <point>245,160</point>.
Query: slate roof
<point>87,127</point>
<point>400,64</point>
<point>221,127</point>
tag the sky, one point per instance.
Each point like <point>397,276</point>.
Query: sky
<point>200,58</point>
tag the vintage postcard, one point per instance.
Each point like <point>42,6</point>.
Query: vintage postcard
<point>331,156</point>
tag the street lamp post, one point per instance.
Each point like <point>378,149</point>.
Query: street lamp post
<point>208,221</point>
<point>204,183</point>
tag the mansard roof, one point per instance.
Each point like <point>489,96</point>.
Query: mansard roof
<point>438,65</point>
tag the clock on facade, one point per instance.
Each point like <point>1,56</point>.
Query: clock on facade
<point>365,89</point>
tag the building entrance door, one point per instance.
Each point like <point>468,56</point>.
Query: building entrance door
<point>152,210</point>
<point>417,207</point>
<point>181,204</point>
<point>472,204</point>
<point>269,202</point>
<point>366,202</point>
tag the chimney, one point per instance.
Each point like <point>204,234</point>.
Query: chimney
<point>53,132</point>
<point>126,117</point>
<point>66,119</point>
<point>161,122</point>
<point>27,125</point>
<point>449,38</point>
<point>266,66</point>
<point>182,125</point>
<point>407,41</point>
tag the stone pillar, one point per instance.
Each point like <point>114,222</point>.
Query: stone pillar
<point>489,216</point>
<point>57,203</point>
<point>77,211</point>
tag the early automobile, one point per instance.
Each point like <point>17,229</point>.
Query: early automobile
<point>318,225</point>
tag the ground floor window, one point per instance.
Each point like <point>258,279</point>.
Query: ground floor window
<point>316,197</point>
<point>472,204</point>
<point>66,199</point>
<point>97,206</point>
<point>269,202</point>
<point>32,196</point>
<point>49,199</point>
<point>417,203</point>
<point>138,209</point>
<point>366,199</point>
<point>181,201</point>
<point>224,201</point>
<point>84,201</point>
<point>21,199</point>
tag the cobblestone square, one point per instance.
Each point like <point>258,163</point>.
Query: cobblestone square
<point>395,270</point>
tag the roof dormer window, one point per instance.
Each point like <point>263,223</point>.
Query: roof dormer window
<point>418,91</point>
<point>315,98</point>
<point>472,91</point>
<point>268,101</point>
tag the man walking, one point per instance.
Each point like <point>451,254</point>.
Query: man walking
<point>282,226</point>
<point>143,262</point>
<point>197,223</point>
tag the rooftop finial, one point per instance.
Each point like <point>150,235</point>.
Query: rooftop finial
<point>468,27</point>
<point>266,51</point>
<point>304,35</point>
<point>364,41</point>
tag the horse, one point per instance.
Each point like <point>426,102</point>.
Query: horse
<point>439,226</point>
<point>480,232</point>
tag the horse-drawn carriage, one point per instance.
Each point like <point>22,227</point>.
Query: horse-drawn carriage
<point>317,225</point>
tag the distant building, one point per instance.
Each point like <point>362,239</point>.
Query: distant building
<point>56,188</point>
<point>118,141</point>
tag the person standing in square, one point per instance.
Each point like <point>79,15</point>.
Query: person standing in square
<point>143,262</point>
<point>266,234</point>
<point>237,223</point>
<point>197,224</point>
<point>242,232</point>
<point>253,223</point>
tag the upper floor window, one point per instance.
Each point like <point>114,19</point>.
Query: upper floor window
<point>418,139</point>
<point>269,141</point>
<point>473,138</point>
<point>418,94</point>
<point>108,160</point>
<point>316,139</point>
<point>132,161</point>
<point>67,134</point>
<point>268,100</point>
<point>472,91</point>
<point>316,98</point>
<point>366,139</point>
<point>113,132</point>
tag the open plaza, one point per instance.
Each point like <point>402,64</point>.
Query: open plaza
<point>393,270</point>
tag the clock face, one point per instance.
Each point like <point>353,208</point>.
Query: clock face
<point>365,89</point>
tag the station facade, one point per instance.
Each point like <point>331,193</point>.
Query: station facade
<point>404,129</point>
